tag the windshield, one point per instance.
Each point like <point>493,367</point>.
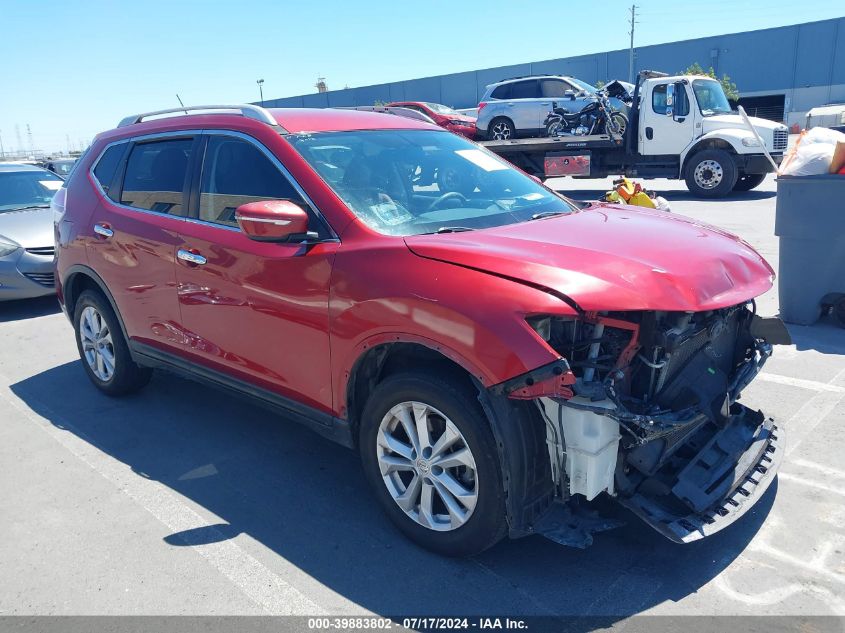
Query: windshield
<point>710,96</point>
<point>409,182</point>
<point>23,189</point>
<point>441,109</point>
<point>583,85</point>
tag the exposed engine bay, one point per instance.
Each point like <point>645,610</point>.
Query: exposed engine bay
<point>650,414</point>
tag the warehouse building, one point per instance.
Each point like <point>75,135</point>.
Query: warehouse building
<point>781,72</point>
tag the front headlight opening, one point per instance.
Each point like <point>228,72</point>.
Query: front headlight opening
<point>7,246</point>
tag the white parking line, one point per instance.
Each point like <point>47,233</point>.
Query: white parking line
<point>256,581</point>
<point>804,422</point>
<point>812,385</point>
<point>810,483</point>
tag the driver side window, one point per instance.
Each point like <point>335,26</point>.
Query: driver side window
<point>235,172</point>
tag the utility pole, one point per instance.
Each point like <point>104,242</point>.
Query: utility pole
<point>632,21</point>
<point>2,153</point>
<point>260,83</point>
<point>29,139</point>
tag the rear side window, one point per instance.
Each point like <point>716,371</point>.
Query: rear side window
<point>525,90</point>
<point>155,176</point>
<point>236,172</point>
<point>502,92</point>
<point>106,167</point>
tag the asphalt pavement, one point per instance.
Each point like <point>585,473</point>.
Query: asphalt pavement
<point>184,500</point>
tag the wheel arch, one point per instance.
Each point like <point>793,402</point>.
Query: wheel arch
<point>704,143</point>
<point>79,278</point>
<point>517,427</point>
<point>380,355</point>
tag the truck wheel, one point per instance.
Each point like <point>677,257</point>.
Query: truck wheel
<point>747,182</point>
<point>711,173</point>
<point>429,456</point>
<point>501,129</point>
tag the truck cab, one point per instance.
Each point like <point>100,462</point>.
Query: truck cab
<point>688,120</point>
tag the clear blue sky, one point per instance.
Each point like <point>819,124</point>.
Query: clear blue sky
<point>75,67</point>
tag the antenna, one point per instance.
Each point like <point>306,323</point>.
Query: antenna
<point>180,102</point>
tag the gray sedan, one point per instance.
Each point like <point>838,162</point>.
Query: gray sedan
<point>26,231</point>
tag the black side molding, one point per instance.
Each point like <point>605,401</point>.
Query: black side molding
<point>336,429</point>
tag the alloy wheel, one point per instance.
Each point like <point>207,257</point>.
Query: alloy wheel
<point>427,466</point>
<point>501,131</point>
<point>97,345</point>
<point>708,174</point>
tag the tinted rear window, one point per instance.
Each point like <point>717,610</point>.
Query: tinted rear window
<point>525,90</point>
<point>155,176</point>
<point>502,92</point>
<point>106,167</point>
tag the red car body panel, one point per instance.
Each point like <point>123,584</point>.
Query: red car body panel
<point>457,123</point>
<point>614,258</point>
<point>295,319</point>
<point>259,311</point>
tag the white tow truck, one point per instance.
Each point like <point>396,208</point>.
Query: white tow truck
<point>680,127</point>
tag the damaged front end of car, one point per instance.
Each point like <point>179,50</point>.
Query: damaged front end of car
<point>645,408</point>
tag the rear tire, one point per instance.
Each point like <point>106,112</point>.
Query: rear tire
<point>747,182</point>
<point>501,129</point>
<point>103,348</point>
<point>711,173</point>
<point>431,460</point>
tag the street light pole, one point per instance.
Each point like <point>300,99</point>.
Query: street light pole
<point>260,83</point>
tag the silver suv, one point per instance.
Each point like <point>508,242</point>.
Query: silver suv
<point>518,106</point>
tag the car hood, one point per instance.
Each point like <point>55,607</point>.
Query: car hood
<point>613,258</point>
<point>30,228</point>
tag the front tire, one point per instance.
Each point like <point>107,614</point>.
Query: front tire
<point>618,123</point>
<point>711,173</point>
<point>429,456</point>
<point>103,349</point>
<point>747,182</point>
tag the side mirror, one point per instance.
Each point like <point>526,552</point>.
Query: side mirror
<point>272,220</point>
<point>569,94</point>
<point>670,100</point>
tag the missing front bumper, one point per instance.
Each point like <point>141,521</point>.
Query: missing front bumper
<point>727,477</point>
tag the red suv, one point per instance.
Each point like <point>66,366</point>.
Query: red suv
<point>496,354</point>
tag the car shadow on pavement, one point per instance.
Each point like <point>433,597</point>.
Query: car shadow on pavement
<point>587,195</point>
<point>28,308</point>
<point>306,500</point>
<point>824,336</point>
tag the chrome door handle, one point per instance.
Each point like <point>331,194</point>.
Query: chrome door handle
<point>103,230</point>
<point>191,258</point>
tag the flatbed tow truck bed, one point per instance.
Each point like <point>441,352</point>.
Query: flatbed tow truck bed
<point>552,144</point>
<point>577,156</point>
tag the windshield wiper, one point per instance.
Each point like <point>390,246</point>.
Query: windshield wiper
<point>548,214</point>
<point>453,229</point>
<point>28,206</point>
